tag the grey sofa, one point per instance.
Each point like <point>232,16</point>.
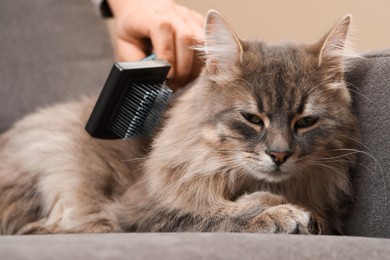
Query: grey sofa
<point>54,50</point>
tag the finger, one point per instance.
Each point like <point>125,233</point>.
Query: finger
<point>126,51</point>
<point>199,18</point>
<point>184,56</point>
<point>187,30</point>
<point>133,27</point>
<point>193,20</point>
<point>198,26</point>
<point>162,37</point>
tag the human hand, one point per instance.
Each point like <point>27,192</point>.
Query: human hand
<point>162,27</point>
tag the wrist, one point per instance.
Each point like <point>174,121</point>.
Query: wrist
<point>119,6</point>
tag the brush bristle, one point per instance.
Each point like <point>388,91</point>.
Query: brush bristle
<point>141,110</point>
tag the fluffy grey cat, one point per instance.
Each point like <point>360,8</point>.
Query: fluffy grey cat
<point>262,142</point>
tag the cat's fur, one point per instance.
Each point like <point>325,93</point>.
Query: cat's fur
<point>262,142</point>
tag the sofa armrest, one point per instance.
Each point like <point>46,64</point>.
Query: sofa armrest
<point>369,81</point>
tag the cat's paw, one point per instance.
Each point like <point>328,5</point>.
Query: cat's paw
<point>287,218</point>
<point>317,225</point>
<point>98,226</point>
<point>262,198</point>
<point>38,228</point>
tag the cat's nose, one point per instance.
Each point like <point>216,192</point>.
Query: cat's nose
<point>279,157</point>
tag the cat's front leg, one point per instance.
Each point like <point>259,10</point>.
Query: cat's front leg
<point>40,227</point>
<point>276,215</point>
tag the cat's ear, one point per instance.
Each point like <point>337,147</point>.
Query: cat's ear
<point>335,46</point>
<point>222,47</point>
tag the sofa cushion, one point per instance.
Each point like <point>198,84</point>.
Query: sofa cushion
<point>369,80</point>
<point>192,246</point>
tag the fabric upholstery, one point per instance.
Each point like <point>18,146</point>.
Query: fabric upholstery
<point>192,246</point>
<point>51,51</point>
<point>369,80</point>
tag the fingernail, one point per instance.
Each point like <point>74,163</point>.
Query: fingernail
<point>170,73</point>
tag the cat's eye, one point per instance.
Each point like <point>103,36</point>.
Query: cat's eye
<point>254,119</point>
<point>306,122</point>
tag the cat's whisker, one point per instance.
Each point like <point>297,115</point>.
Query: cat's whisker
<point>357,151</point>
<point>358,142</point>
<point>372,172</point>
<point>354,87</point>
<point>138,159</point>
<point>314,88</point>
<point>376,161</point>
<point>368,154</point>
<point>342,87</point>
<point>337,157</point>
<point>358,91</point>
<point>325,166</point>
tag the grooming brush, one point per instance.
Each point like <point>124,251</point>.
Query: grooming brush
<point>132,101</point>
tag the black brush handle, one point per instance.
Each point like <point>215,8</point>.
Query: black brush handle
<point>117,85</point>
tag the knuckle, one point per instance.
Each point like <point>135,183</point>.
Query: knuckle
<point>120,56</point>
<point>186,38</point>
<point>165,51</point>
<point>164,24</point>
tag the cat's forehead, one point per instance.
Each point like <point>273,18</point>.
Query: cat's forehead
<point>285,57</point>
<point>281,76</point>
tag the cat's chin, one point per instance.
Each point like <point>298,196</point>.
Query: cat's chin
<point>274,174</point>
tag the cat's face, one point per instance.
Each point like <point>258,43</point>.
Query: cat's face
<point>276,111</point>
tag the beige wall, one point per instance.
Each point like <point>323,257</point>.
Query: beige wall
<point>303,20</point>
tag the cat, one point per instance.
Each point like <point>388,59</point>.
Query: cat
<point>262,142</point>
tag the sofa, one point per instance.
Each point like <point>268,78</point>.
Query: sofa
<point>54,50</point>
